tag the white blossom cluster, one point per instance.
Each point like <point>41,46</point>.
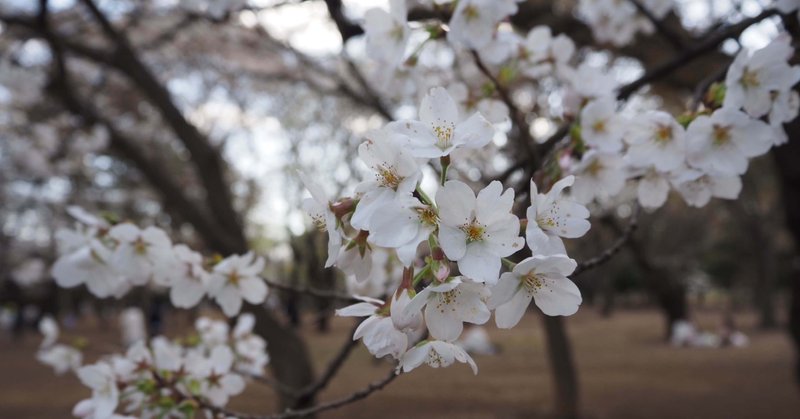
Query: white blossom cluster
<point>476,232</point>
<point>703,155</point>
<point>110,260</point>
<point>164,378</point>
<point>700,155</point>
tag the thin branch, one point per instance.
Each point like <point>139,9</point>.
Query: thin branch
<point>267,381</point>
<point>209,165</point>
<point>312,291</point>
<point>334,365</point>
<point>517,115</point>
<point>615,247</point>
<point>352,398</point>
<point>371,98</point>
<point>705,46</point>
<point>665,31</point>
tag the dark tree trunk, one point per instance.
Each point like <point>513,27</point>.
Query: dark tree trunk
<point>787,159</point>
<point>565,377</point>
<point>669,293</point>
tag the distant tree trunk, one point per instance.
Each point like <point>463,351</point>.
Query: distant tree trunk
<point>765,287</point>
<point>787,159</point>
<point>609,296</point>
<point>670,294</point>
<point>565,376</point>
<point>761,246</point>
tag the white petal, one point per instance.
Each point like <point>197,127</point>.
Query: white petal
<point>509,314</point>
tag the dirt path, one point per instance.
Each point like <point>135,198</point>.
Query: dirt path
<point>625,372</point>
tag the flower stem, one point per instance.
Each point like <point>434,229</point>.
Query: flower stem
<point>418,277</point>
<point>425,198</point>
<point>445,160</point>
<point>509,263</point>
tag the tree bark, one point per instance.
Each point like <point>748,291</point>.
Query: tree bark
<point>565,376</point>
<point>787,159</point>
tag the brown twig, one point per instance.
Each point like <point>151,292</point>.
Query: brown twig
<point>334,365</point>
<point>353,397</point>
<point>312,291</point>
<point>615,247</point>
<point>665,31</point>
<point>525,138</point>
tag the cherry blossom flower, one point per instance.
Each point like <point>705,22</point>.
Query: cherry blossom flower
<point>387,33</point>
<point>250,349</point>
<point>785,107</point>
<point>653,189</point>
<point>190,279</point>
<point>587,82</point>
<point>49,330</point>
<point>377,331</point>
<point>212,333</point>
<point>404,319</point>
<point>105,394</point>
<point>218,383</point>
<point>140,255</point>
<point>541,278</point>
<point>356,258</point>
<point>62,358</point>
<point>552,216</point>
<point>598,175</point>
<point>440,130</point>
<point>474,21</point>
<point>396,174</point>
<point>449,305</point>
<point>697,188</point>
<point>752,80</point>
<point>89,265</point>
<point>318,206</point>
<point>656,139</point>
<point>477,232</point>
<point>403,224</point>
<point>436,354</point>
<point>601,126</point>
<point>724,141</point>
<point>544,53</point>
<point>237,278</point>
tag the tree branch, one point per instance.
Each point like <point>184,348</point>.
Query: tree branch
<point>668,34</point>
<point>615,247</point>
<point>209,166</point>
<point>333,367</point>
<point>525,139</point>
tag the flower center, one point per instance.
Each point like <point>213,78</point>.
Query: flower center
<point>533,283</point>
<point>319,221</point>
<point>139,246</point>
<point>474,230</point>
<point>599,126</point>
<point>447,300</point>
<point>749,79</point>
<point>233,278</point>
<point>388,177</point>
<point>434,359</point>
<point>428,216</point>
<point>721,135</point>
<point>594,168</point>
<point>444,135</point>
<point>471,13</point>
<point>663,134</point>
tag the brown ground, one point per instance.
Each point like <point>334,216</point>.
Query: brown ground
<point>625,372</point>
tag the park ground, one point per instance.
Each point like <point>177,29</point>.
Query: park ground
<point>625,371</point>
